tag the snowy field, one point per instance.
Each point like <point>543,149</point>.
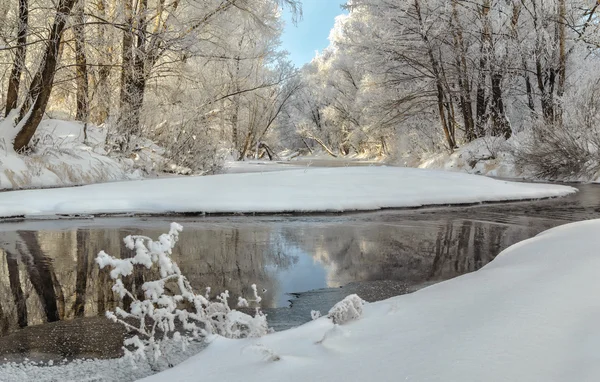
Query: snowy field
<point>529,315</point>
<point>308,190</point>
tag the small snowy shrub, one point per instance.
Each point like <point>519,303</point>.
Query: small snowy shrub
<point>315,314</point>
<point>349,309</point>
<point>169,310</point>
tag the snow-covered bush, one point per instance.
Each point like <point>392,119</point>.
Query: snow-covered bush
<point>169,310</point>
<point>571,150</point>
<point>349,309</point>
<point>565,153</point>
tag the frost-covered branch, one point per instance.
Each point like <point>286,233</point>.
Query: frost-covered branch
<point>170,309</point>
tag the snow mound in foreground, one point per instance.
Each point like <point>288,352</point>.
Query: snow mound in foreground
<point>529,315</point>
<point>349,309</point>
<point>309,190</point>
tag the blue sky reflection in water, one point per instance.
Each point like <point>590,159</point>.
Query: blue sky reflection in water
<point>305,274</point>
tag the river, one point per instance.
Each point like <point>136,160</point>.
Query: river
<point>299,263</point>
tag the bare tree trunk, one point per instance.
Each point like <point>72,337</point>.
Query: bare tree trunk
<point>81,63</point>
<point>562,58</point>
<point>14,81</point>
<point>546,79</point>
<point>236,100</point>
<point>235,121</point>
<point>101,91</point>
<point>41,85</point>
<point>546,76</point>
<point>516,13</point>
<point>126,107</point>
<point>501,127</point>
<point>246,146</point>
<point>481,101</point>
<point>463,79</point>
<point>137,61</point>
<point>441,97</point>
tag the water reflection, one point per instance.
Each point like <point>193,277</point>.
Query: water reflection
<point>48,273</point>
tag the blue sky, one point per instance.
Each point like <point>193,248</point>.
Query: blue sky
<point>311,33</point>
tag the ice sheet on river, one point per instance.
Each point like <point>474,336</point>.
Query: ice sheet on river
<point>306,190</point>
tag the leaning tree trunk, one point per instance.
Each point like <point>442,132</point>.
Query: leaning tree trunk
<point>14,81</point>
<point>41,85</point>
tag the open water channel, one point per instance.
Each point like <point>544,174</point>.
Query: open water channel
<point>53,296</point>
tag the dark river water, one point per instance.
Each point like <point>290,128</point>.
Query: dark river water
<point>53,296</point>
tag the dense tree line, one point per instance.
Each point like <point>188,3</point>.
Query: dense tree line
<point>192,75</point>
<point>446,72</point>
<point>202,78</point>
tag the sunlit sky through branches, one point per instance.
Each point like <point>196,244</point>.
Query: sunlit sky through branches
<point>311,32</point>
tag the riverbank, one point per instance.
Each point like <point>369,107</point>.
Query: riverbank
<point>528,315</point>
<point>423,244</point>
<point>63,155</point>
<point>307,190</point>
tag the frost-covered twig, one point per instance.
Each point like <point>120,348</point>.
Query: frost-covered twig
<point>174,312</point>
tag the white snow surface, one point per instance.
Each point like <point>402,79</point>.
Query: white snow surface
<point>308,190</point>
<point>236,167</point>
<point>61,157</point>
<point>492,156</point>
<point>530,315</point>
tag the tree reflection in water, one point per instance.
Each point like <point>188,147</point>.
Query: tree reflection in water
<point>50,274</point>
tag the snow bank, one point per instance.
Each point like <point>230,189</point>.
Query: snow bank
<point>61,157</point>
<point>492,156</point>
<point>309,190</point>
<point>236,167</point>
<point>530,315</point>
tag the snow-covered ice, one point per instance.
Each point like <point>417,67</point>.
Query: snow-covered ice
<point>529,315</point>
<point>307,190</point>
